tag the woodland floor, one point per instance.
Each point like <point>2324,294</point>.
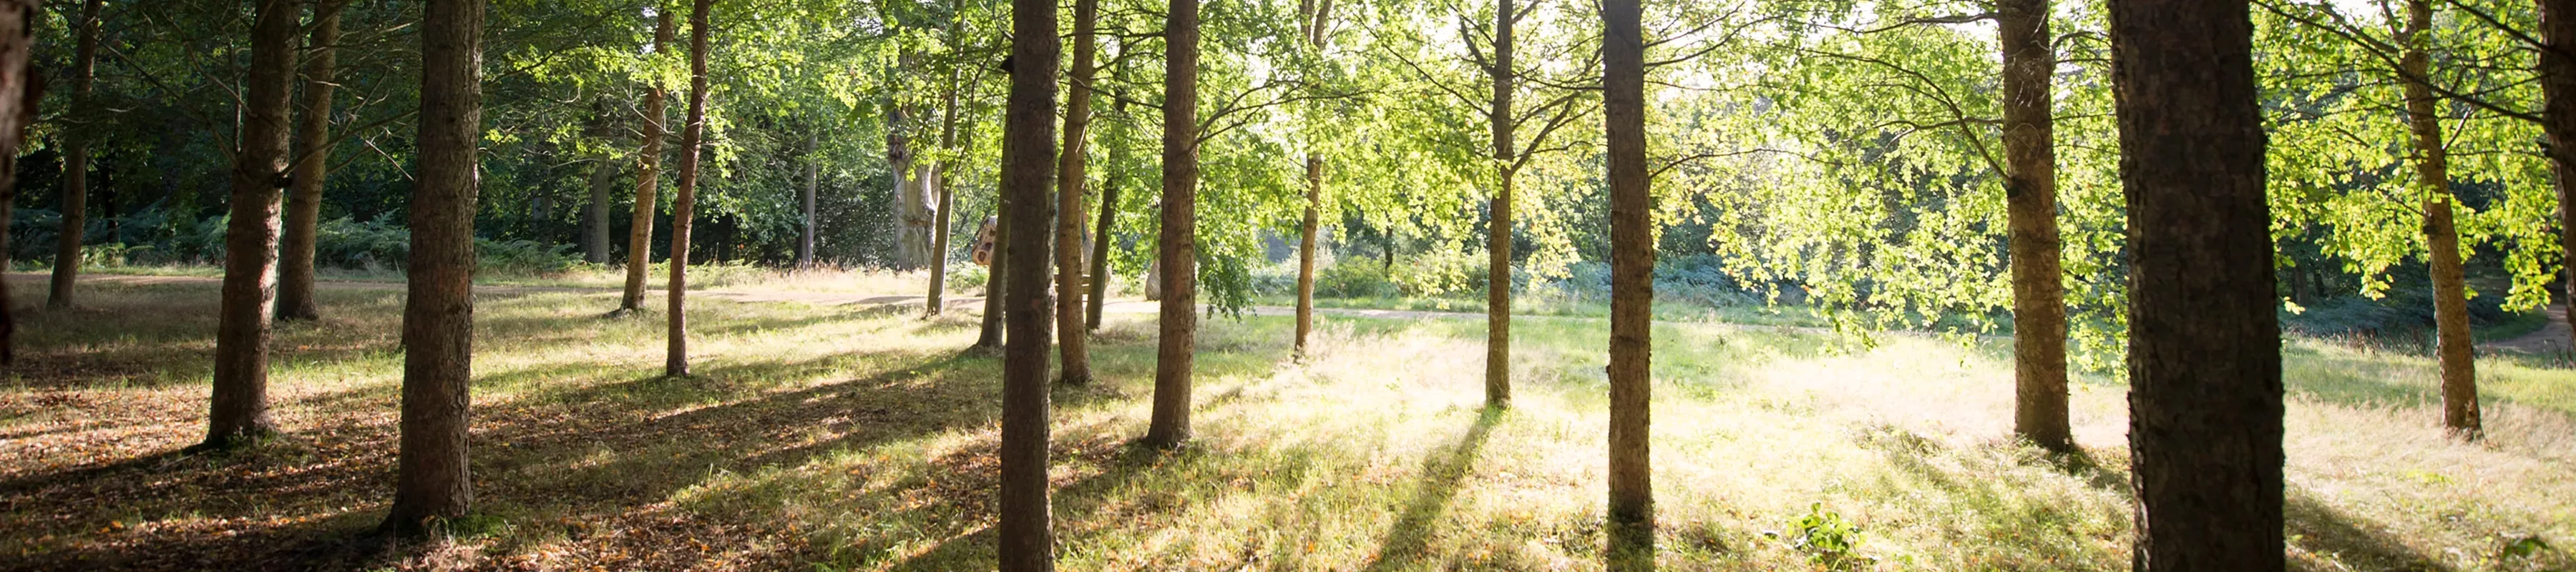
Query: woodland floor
<point>826,435</point>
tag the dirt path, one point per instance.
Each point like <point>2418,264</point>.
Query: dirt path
<point>2553,337</point>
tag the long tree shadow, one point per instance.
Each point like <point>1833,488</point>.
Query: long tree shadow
<point>2357,544</point>
<point>1408,540</point>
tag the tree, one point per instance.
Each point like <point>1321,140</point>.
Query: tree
<point>2030,195</point>
<point>1632,267</point>
<point>2441,234</point>
<point>312,163</point>
<point>813,177</point>
<point>1099,293</point>
<point>1312,19</point>
<point>1178,252</point>
<point>594,207</point>
<point>2204,341</point>
<point>648,174</point>
<point>239,409</point>
<point>1028,151</point>
<point>432,478</point>
<point>75,203</point>
<point>20,87</point>
<point>685,199</point>
<point>1071,163</point>
<point>2557,63</point>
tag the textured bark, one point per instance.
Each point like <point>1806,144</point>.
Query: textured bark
<point>594,208</point>
<point>2558,89</point>
<point>75,200</point>
<point>1023,535</point>
<point>1071,163</point>
<point>2204,343</point>
<point>648,176</point>
<point>996,278</point>
<point>1100,248</point>
<point>1306,252</point>
<point>295,270</point>
<point>813,178</point>
<point>1498,231</point>
<point>1632,263</point>
<point>934,303</point>
<point>239,408</point>
<point>432,478</point>
<point>1170,425</point>
<point>2441,236</point>
<point>915,190</point>
<point>2030,197</point>
<point>685,197</point>
<point>20,88</point>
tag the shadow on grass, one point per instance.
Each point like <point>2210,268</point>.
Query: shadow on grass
<point>1410,536</point>
<point>2357,544</point>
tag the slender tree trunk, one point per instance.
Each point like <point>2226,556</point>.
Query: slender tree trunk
<point>1026,542</point>
<point>75,200</point>
<point>20,88</point>
<point>2441,236</point>
<point>594,210</point>
<point>239,409</point>
<point>1071,164</point>
<point>813,178</point>
<point>1172,365</point>
<point>2030,196</point>
<point>2558,89</point>
<point>996,280</point>
<point>648,175</point>
<point>1306,252</point>
<point>432,478</point>
<point>947,196</point>
<point>1498,233</point>
<point>295,271</point>
<point>1154,271</point>
<point>692,136</point>
<point>1100,246</point>
<point>1632,284</point>
<point>2204,343</point>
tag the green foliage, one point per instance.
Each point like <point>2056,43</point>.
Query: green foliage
<point>1827,539</point>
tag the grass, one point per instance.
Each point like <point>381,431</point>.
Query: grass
<point>850,438</point>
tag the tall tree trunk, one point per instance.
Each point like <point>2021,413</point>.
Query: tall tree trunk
<point>996,279</point>
<point>813,178</point>
<point>1498,233</point>
<point>1099,284</point>
<point>1306,252</point>
<point>1071,163</point>
<point>1172,365</point>
<point>692,136</point>
<point>2204,343</point>
<point>1632,264</point>
<point>939,231</point>
<point>432,477</point>
<point>1025,540</point>
<point>238,413</point>
<point>594,209</point>
<point>2441,235</point>
<point>2030,196</point>
<point>2558,89</point>
<point>75,200</point>
<point>295,270</point>
<point>648,175</point>
<point>20,88</point>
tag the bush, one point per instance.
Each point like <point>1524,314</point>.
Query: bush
<point>521,257</point>
<point>1356,279</point>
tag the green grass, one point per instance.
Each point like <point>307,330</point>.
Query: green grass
<point>847,438</point>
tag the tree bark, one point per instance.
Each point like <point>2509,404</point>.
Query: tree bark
<point>1170,425</point>
<point>1100,247</point>
<point>432,477</point>
<point>2558,111</point>
<point>75,200</point>
<point>238,412</point>
<point>996,279</point>
<point>312,164</point>
<point>2441,235</point>
<point>1632,266</point>
<point>2204,343</point>
<point>1498,232</point>
<point>648,175</point>
<point>1306,252</point>
<point>1025,540</point>
<point>594,209</point>
<point>1072,162</point>
<point>939,231</point>
<point>692,136</point>
<point>2030,196</point>
<point>20,88</point>
<point>813,178</point>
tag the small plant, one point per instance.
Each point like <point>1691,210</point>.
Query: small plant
<point>1826,538</point>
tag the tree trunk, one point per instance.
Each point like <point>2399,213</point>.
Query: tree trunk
<point>648,175</point>
<point>813,178</point>
<point>239,410</point>
<point>2558,89</point>
<point>1172,365</point>
<point>1498,231</point>
<point>20,88</point>
<point>2030,196</point>
<point>75,202</point>
<point>2204,343</point>
<point>2441,236</point>
<point>692,136</point>
<point>1306,252</point>
<point>1071,164</point>
<point>1025,540</point>
<point>594,210</point>
<point>432,477</point>
<point>1632,267</point>
<point>1100,247</point>
<point>1154,271</point>
<point>939,231</point>
<point>996,278</point>
<point>295,271</point>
